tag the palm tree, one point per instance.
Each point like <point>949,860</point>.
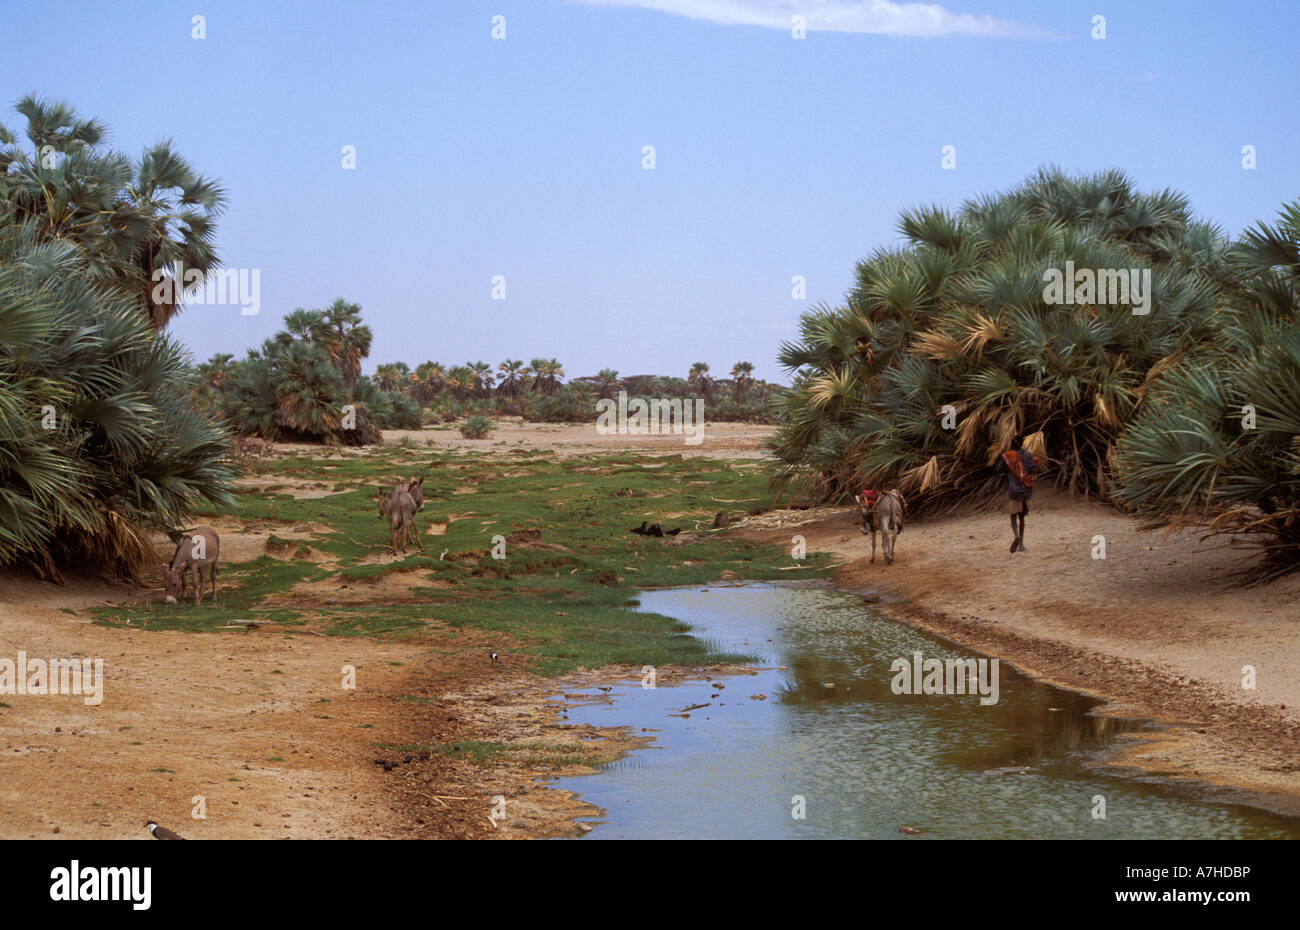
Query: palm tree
<point>607,383</point>
<point>293,385</point>
<point>742,375</point>
<point>700,378</point>
<point>428,380</point>
<point>461,382</point>
<point>307,325</point>
<point>214,371</point>
<point>512,371</point>
<point>1217,444</point>
<point>117,444</point>
<point>482,377</point>
<point>947,348</point>
<point>139,221</point>
<point>389,377</point>
<point>346,339</point>
<point>546,375</point>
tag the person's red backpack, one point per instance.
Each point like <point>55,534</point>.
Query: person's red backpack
<point>1016,465</point>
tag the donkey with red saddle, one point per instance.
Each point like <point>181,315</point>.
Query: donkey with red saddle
<point>888,507</point>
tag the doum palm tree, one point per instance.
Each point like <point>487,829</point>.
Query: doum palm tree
<point>742,375</point>
<point>139,222</point>
<point>512,372</point>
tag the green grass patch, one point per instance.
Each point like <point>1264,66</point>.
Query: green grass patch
<point>564,604</point>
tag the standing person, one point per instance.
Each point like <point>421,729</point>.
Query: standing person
<point>1020,466</point>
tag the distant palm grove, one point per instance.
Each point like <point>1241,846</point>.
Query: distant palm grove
<point>945,348</point>
<point>296,385</point>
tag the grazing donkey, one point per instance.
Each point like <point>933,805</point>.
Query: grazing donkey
<point>889,508</point>
<point>196,549</point>
<point>415,488</point>
<point>398,506</point>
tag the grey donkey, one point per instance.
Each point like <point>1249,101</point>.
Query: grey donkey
<point>196,549</point>
<point>415,488</point>
<point>399,507</point>
<point>885,511</point>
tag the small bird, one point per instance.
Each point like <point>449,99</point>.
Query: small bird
<point>493,655</point>
<point>162,833</point>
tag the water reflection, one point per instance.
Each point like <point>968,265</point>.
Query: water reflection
<point>829,729</point>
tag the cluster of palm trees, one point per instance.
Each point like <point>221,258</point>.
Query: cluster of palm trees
<point>948,346</point>
<point>306,383</point>
<point>98,435</point>
<point>471,380</point>
<point>513,386</point>
<point>742,380</point>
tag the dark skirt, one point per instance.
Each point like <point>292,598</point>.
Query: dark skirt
<point>1022,495</point>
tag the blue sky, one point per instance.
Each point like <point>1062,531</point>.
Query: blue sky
<point>522,157</point>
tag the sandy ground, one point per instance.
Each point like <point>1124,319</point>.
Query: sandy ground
<point>1157,627</point>
<point>256,731</point>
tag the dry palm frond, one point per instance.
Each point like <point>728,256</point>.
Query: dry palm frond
<point>970,431</point>
<point>1005,428</point>
<point>1036,445</point>
<point>935,345</point>
<point>979,333</point>
<point>923,477</point>
<point>835,384</point>
<point>1104,413</point>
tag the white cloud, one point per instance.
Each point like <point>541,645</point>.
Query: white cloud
<point>875,17</point>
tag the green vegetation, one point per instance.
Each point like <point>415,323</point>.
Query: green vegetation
<point>949,347</point>
<point>536,392</point>
<point>958,318</point>
<point>477,427</point>
<point>301,382</point>
<point>1218,442</point>
<point>571,570</point>
<point>96,442</point>
<point>132,221</point>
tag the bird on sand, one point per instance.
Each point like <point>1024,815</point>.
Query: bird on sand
<point>162,833</point>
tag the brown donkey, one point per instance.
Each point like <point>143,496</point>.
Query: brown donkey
<point>885,510</point>
<point>890,511</point>
<point>398,506</point>
<point>196,549</point>
<point>415,488</point>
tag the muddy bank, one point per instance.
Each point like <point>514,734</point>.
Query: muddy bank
<point>1157,627</point>
<point>256,731</point>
